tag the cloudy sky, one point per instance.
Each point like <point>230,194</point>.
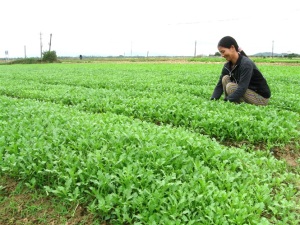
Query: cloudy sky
<point>141,27</point>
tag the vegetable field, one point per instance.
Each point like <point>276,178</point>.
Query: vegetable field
<point>141,143</point>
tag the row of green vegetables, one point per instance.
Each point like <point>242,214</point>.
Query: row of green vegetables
<point>277,123</point>
<point>131,171</point>
<point>197,80</point>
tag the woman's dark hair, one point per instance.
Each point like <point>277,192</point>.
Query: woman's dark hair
<point>228,41</point>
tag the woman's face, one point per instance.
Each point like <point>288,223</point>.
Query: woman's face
<point>227,53</point>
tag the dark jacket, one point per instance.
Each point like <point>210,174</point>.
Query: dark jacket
<point>247,76</point>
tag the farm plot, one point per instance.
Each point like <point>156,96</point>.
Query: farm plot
<point>136,143</point>
<point>176,96</point>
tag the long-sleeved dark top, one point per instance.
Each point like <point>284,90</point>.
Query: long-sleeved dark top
<point>247,76</point>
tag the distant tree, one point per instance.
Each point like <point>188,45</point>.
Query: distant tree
<point>217,54</point>
<point>292,55</point>
<point>49,56</point>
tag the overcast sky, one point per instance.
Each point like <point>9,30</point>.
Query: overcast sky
<point>141,27</point>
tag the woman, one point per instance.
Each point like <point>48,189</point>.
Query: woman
<point>241,81</point>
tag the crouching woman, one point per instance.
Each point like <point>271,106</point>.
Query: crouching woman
<point>240,80</point>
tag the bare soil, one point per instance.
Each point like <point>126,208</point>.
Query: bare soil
<point>28,207</point>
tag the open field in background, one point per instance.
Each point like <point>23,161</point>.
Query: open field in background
<point>140,143</point>
<point>162,59</point>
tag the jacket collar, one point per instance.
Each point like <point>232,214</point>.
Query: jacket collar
<point>238,62</point>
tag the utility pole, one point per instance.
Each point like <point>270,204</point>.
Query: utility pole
<point>41,45</point>
<point>50,42</point>
<point>25,51</point>
<point>272,48</point>
<point>6,56</point>
<point>195,52</point>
